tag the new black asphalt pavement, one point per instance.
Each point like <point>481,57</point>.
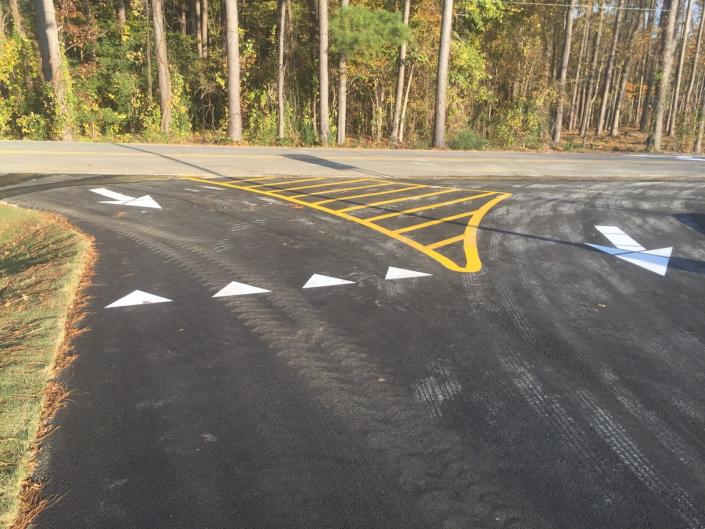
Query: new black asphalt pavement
<point>559,387</point>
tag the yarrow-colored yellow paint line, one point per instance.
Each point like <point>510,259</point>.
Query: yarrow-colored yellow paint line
<point>460,249</point>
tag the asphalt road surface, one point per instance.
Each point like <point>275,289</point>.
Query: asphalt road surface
<point>207,160</point>
<point>530,381</point>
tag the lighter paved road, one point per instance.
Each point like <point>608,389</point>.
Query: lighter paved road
<point>546,384</point>
<point>182,160</point>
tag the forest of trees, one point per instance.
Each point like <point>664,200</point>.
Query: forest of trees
<point>465,74</point>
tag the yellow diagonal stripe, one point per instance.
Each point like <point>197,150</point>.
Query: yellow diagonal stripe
<point>273,184</point>
<point>430,223</point>
<point>401,199</point>
<point>430,206</point>
<point>355,188</point>
<point>389,192</point>
<point>325,185</point>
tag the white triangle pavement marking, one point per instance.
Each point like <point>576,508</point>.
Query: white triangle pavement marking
<point>403,273</point>
<point>318,280</point>
<point>119,198</point>
<point>653,260</point>
<point>239,289</point>
<point>143,202</point>
<point>137,298</point>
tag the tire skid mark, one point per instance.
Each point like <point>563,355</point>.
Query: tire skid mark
<point>622,445</point>
<point>432,463</point>
<point>628,452</point>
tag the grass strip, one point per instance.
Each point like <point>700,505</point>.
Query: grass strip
<point>43,262</point>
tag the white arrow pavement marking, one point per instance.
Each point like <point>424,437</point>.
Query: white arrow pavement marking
<point>143,202</point>
<point>317,280</point>
<point>631,251</point>
<point>119,199</point>
<point>239,289</point>
<point>403,273</point>
<point>620,239</point>
<point>137,298</point>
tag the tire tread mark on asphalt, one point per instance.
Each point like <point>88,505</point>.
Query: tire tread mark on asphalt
<point>432,463</point>
<point>607,428</point>
<point>628,452</point>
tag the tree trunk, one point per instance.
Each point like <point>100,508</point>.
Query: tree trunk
<point>583,46</point>
<point>673,122</point>
<point>696,58</point>
<point>402,124</point>
<point>281,69</point>
<point>2,22</point>
<point>640,97</point>
<point>439,123</point>
<point>52,67</point>
<point>593,74</point>
<point>204,27</point>
<point>323,69</point>
<point>17,21</point>
<point>121,14</point>
<point>666,66</point>
<point>701,125</point>
<point>182,18</point>
<point>342,90</point>
<point>398,101</point>
<point>567,41</point>
<point>198,20</point>
<point>609,70</point>
<point>233,49</point>
<point>622,85</point>
<point>162,65</point>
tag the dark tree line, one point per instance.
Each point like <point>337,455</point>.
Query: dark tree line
<point>469,73</point>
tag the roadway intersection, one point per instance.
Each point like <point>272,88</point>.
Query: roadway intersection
<point>521,378</point>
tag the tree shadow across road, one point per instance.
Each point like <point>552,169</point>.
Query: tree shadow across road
<point>695,221</point>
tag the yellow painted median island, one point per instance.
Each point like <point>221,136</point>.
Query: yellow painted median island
<point>43,262</point>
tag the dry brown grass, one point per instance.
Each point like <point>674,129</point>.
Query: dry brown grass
<point>45,306</point>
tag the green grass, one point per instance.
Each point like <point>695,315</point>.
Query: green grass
<point>42,260</point>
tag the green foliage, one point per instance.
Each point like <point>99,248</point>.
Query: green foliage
<point>467,140</point>
<point>359,30</point>
<point>524,124</point>
<point>475,14</point>
<point>22,96</point>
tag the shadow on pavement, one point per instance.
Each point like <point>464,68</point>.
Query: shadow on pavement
<point>322,162</point>
<point>695,221</point>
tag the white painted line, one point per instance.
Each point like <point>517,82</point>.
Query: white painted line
<point>213,188</point>
<point>403,273</point>
<point>318,280</point>
<point>137,298</point>
<point>620,239</point>
<point>239,289</point>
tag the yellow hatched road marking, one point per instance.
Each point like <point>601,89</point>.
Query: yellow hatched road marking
<point>469,238</point>
<point>271,184</point>
<point>325,185</point>
<point>445,242</point>
<point>331,191</point>
<point>389,192</point>
<point>402,199</point>
<point>434,222</point>
<point>431,206</point>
